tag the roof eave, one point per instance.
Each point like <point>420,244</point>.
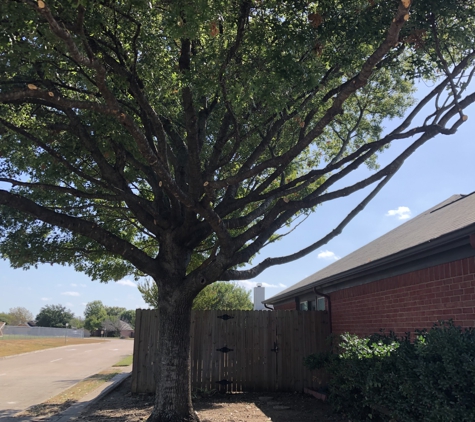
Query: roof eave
<point>449,240</point>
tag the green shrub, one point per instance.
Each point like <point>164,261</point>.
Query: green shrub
<point>384,377</point>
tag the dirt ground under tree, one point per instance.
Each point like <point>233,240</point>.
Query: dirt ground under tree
<point>120,405</point>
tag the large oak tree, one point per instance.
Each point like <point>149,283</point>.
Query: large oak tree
<point>174,139</point>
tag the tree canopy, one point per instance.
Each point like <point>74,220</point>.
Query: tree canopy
<point>128,316</point>
<point>225,296</point>
<point>115,311</point>
<point>54,316</point>
<point>77,322</point>
<point>219,121</point>
<point>175,139</point>
<point>19,315</point>
<point>219,295</point>
<point>4,317</point>
<point>94,315</point>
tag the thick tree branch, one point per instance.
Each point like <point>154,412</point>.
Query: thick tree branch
<point>357,82</point>
<point>280,212</point>
<point>55,154</point>
<point>60,189</point>
<point>82,227</point>
<point>365,151</point>
<point>268,262</point>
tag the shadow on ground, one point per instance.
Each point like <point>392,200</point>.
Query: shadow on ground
<point>5,414</point>
<point>122,406</point>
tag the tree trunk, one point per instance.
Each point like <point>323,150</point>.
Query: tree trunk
<point>172,361</point>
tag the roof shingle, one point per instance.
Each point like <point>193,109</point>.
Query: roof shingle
<point>453,214</point>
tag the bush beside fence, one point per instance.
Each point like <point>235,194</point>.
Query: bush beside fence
<point>385,378</point>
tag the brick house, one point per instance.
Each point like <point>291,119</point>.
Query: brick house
<point>115,328</point>
<point>421,272</point>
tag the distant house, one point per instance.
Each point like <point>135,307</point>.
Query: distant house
<point>26,324</point>
<point>421,272</point>
<point>117,328</point>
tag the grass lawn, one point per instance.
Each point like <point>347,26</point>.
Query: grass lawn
<point>10,346</point>
<point>125,362</point>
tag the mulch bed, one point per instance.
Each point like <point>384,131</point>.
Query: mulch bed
<point>120,405</point>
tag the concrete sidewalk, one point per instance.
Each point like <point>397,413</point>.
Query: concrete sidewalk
<point>33,378</point>
<point>91,398</point>
<point>82,405</point>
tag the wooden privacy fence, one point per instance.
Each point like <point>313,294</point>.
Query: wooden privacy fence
<point>239,350</point>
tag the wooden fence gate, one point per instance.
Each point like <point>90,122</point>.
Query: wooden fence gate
<point>240,350</point>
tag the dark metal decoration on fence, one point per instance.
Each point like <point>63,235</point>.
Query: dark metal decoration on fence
<point>224,349</point>
<point>225,317</point>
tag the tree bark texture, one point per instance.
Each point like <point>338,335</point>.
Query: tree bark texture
<point>172,362</point>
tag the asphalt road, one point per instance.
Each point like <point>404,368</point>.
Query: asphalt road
<point>35,377</point>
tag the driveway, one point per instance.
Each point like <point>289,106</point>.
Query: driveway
<point>35,377</point>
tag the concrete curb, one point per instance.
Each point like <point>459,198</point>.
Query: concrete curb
<point>88,400</point>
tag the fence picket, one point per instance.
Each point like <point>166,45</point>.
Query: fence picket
<point>252,365</point>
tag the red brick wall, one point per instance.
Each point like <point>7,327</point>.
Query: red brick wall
<point>409,301</point>
<point>287,306</point>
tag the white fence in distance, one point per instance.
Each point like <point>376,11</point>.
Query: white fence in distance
<point>11,330</point>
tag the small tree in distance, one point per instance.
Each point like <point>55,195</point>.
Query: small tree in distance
<point>5,318</point>
<point>128,316</point>
<point>77,322</point>
<point>19,315</point>
<point>176,139</point>
<point>220,295</point>
<point>115,311</point>
<point>94,315</point>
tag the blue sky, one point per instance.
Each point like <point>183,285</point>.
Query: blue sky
<point>442,167</point>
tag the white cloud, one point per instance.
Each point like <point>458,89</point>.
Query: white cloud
<point>126,283</point>
<point>247,284</point>
<point>45,299</point>
<point>69,304</point>
<point>251,284</point>
<point>269,285</point>
<point>83,285</point>
<point>328,255</point>
<point>70,294</point>
<point>74,284</point>
<point>402,213</point>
